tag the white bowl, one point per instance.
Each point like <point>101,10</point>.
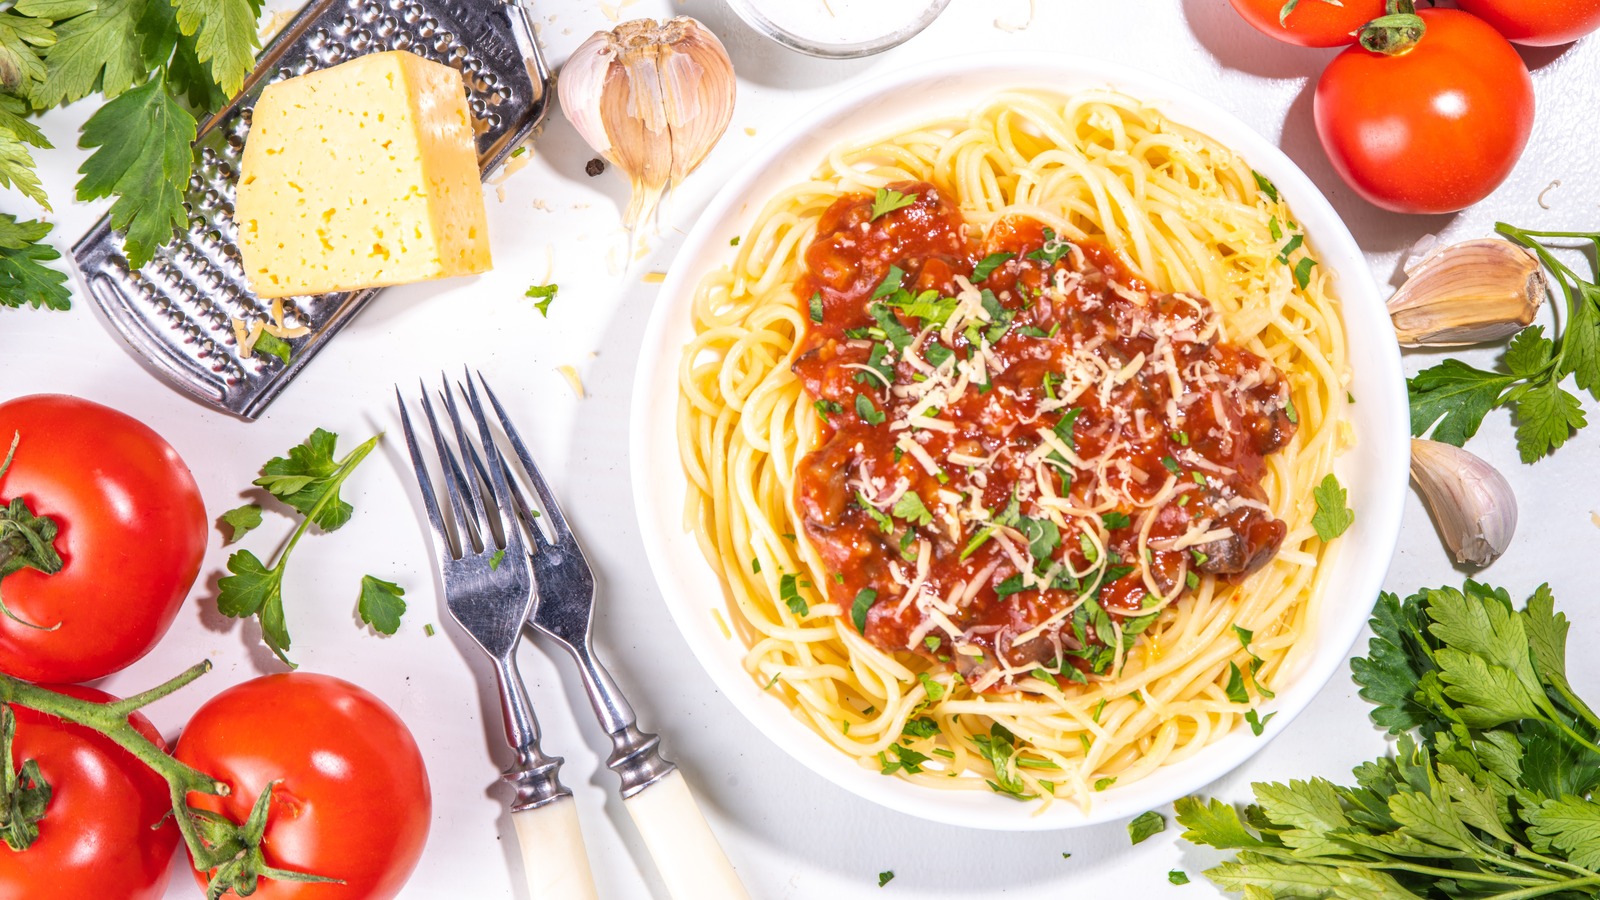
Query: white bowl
<point>1374,471</point>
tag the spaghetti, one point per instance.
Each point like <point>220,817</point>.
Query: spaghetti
<point>1101,614</point>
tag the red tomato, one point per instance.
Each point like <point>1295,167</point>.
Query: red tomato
<point>1434,129</point>
<point>99,836</point>
<point>133,531</point>
<point>1312,23</point>
<point>1538,23</point>
<point>352,799</point>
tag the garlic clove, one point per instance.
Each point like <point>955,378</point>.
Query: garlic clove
<point>1471,502</point>
<point>653,99</point>
<point>1468,293</point>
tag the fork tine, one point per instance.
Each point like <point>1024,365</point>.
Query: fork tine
<point>442,544</point>
<point>525,513</point>
<point>464,527</point>
<point>499,486</point>
<point>479,508</point>
<point>552,509</point>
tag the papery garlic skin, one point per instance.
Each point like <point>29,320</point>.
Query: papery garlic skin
<point>1471,502</point>
<point>653,99</point>
<point>1468,293</point>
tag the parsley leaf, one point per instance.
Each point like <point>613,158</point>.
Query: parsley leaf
<point>23,276</point>
<point>889,285</point>
<point>790,593</point>
<point>1145,826</point>
<point>97,47</point>
<point>1457,397</point>
<point>544,294</point>
<point>910,508</point>
<point>885,877</point>
<point>999,749</point>
<point>814,306</point>
<point>380,605</point>
<point>23,40</point>
<point>272,346</point>
<point>1257,723</point>
<point>1177,876</point>
<point>306,474</point>
<point>858,609</point>
<point>868,412</point>
<point>225,38</point>
<point>890,326</point>
<point>1265,186</point>
<point>1235,689</point>
<point>887,201</point>
<point>920,727</point>
<point>17,134</point>
<point>1332,517</point>
<point>242,519</point>
<point>1546,417</point>
<point>885,524</point>
<point>141,141</point>
<point>988,264</point>
<point>1054,248</point>
<point>1115,519</point>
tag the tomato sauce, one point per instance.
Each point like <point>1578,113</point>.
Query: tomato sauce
<point>1024,450</point>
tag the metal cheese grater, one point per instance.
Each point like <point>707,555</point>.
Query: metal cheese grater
<point>177,311</point>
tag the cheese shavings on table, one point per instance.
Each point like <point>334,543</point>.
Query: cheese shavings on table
<point>359,176</point>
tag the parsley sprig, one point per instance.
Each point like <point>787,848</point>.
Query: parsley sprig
<point>308,481</point>
<point>1489,794</point>
<point>160,65</point>
<point>1452,398</point>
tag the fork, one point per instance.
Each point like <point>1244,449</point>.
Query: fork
<point>686,853</point>
<point>490,591</point>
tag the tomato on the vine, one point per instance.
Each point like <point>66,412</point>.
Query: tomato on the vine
<point>350,797</point>
<point>107,829</point>
<point>1538,23</point>
<point>1434,127</point>
<point>1310,23</point>
<point>116,512</point>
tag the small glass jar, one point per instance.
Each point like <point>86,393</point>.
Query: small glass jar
<point>839,29</point>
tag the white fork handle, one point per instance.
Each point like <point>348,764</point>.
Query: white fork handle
<point>685,851</point>
<point>553,855</point>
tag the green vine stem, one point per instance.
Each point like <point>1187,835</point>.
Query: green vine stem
<point>1396,33</point>
<point>216,844</point>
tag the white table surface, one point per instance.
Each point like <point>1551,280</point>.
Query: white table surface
<point>792,834</point>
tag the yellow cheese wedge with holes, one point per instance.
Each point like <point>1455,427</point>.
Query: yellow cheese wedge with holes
<point>362,175</point>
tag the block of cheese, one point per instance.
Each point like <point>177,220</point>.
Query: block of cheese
<point>362,175</point>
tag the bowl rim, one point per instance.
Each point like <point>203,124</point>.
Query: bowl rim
<point>758,21</point>
<point>1360,559</point>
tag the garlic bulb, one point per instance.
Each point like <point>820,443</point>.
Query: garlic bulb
<point>1472,504</point>
<point>653,99</point>
<point>1468,293</point>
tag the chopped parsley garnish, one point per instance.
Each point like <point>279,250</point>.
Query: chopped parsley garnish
<point>1290,413</point>
<point>1046,677</point>
<point>1199,558</point>
<point>935,689</point>
<point>1063,427</point>
<point>887,201</point>
<point>1054,248</point>
<point>1115,519</point>
<point>273,346</point>
<point>1288,249</point>
<point>734,242</point>
<point>910,508</point>
<point>868,412</point>
<point>858,609</point>
<point>1258,724</point>
<point>1333,517</point>
<point>880,366</point>
<point>999,318</point>
<point>1191,580</point>
<point>1274,229</point>
<point>893,331</point>
<point>1266,186</point>
<point>1145,826</point>
<point>928,306</point>
<point>791,595</point>
<point>816,307</point>
<point>1302,272</point>
<point>988,264</point>
<point>544,294</point>
<point>755,566</point>
<point>921,727</point>
<point>1235,688</point>
<point>826,408</point>
<point>1177,876</point>
<point>1171,465</point>
<point>999,748</point>
<point>936,353</point>
<point>885,523</point>
<point>905,758</point>
<point>890,284</point>
<point>978,540</point>
<point>495,559</point>
<point>1009,586</point>
<point>1182,437</point>
<point>885,877</point>
<point>1103,783</point>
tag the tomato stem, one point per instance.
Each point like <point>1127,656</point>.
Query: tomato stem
<point>1396,33</point>
<point>24,794</point>
<point>27,541</point>
<point>232,852</point>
